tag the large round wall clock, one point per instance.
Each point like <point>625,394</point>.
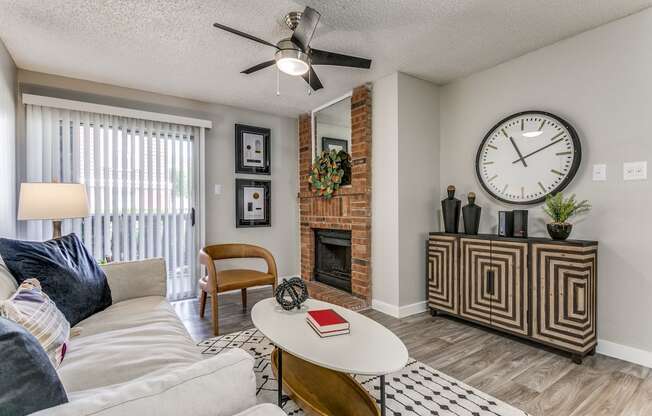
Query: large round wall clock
<point>527,156</point>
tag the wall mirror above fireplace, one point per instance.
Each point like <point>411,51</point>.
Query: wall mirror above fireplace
<point>332,126</point>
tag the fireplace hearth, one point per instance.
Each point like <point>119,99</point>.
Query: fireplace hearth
<point>333,258</point>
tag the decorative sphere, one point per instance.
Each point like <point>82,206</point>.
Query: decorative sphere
<point>291,293</point>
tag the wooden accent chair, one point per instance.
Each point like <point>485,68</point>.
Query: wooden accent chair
<point>216,282</point>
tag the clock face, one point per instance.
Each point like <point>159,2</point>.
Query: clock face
<point>528,156</point>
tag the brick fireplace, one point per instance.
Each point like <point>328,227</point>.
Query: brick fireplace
<point>350,207</point>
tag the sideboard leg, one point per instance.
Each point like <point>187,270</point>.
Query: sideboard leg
<point>577,359</point>
<point>592,352</point>
<point>433,312</point>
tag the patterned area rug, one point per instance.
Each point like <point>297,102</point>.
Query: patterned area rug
<point>416,390</point>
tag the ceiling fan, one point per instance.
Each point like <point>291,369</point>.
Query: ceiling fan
<point>294,56</point>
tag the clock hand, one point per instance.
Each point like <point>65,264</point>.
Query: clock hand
<point>538,150</point>
<point>518,152</point>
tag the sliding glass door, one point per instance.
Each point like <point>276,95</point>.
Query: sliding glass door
<point>141,183</point>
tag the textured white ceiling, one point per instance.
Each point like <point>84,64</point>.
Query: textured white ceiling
<point>170,47</point>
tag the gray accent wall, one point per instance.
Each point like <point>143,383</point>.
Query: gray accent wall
<point>7,144</point>
<point>282,238</point>
<point>601,82</point>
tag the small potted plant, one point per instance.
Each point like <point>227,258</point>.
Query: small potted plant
<point>560,209</point>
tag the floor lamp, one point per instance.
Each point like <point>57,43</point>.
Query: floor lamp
<point>52,201</point>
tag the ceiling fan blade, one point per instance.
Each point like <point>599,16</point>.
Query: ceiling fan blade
<point>258,67</point>
<point>307,24</point>
<point>312,79</point>
<point>244,35</point>
<point>319,57</point>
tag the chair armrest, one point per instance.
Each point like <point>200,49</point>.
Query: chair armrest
<point>136,279</point>
<point>218,386</point>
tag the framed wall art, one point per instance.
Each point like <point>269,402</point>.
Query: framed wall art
<point>253,203</point>
<point>329,143</point>
<point>252,150</point>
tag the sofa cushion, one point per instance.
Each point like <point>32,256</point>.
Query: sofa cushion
<point>28,381</point>
<point>219,386</point>
<point>8,284</point>
<point>32,309</point>
<point>68,273</point>
<point>128,340</point>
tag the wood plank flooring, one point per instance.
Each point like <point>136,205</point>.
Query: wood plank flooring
<point>538,380</point>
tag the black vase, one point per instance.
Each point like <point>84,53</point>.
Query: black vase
<point>559,231</point>
<point>450,208</point>
<point>471,215</point>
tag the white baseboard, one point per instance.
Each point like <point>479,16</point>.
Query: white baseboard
<point>623,352</point>
<point>398,311</point>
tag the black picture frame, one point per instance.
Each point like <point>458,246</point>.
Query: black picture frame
<point>257,164</point>
<point>242,204</point>
<point>326,142</point>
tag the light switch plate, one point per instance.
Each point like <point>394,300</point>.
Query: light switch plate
<point>600,172</point>
<point>218,189</point>
<point>635,171</point>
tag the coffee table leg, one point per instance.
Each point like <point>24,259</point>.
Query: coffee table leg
<point>382,395</point>
<point>280,377</point>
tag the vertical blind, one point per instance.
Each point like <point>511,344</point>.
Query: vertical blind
<point>141,180</point>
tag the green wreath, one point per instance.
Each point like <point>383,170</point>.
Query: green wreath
<point>327,172</point>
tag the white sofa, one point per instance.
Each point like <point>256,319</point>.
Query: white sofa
<point>136,357</point>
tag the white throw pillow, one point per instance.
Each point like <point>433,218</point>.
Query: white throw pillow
<point>8,284</point>
<point>31,308</point>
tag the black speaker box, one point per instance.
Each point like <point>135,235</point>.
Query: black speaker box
<point>520,223</point>
<point>505,223</point>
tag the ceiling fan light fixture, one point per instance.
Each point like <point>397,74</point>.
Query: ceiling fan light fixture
<point>292,62</point>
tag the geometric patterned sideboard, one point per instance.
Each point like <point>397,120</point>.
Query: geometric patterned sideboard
<point>536,288</point>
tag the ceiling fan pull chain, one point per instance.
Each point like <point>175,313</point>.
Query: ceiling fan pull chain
<point>309,80</point>
<point>278,82</point>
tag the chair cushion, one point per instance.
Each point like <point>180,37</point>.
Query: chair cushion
<point>135,338</point>
<point>68,273</point>
<point>34,310</point>
<point>29,382</point>
<point>237,279</point>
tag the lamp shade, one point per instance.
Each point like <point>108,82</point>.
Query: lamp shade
<point>52,201</point>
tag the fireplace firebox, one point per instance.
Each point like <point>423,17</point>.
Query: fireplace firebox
<point>333,258</point>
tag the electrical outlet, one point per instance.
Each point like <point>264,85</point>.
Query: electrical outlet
<point>635,171</point>
<point>600,172</point>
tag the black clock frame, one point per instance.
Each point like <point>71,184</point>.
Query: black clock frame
<point>571,174</point>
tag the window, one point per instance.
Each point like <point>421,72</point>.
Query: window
<point>141,182</point>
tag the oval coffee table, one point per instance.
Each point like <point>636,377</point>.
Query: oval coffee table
<point>316,371</point>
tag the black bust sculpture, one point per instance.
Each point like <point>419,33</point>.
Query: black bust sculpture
<point>471,215</point>
<point>450,208</point>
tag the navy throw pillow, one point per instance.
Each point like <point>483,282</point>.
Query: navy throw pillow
<point>66,270</point>
<point>29,382</point>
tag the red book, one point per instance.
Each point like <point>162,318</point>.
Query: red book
<point>326,320</point>
<point>327,333</point>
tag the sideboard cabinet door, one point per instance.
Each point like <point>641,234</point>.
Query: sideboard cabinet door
<point>475,287</point>
<point>564,279</point>
<point>442,273</point>
<point>509,299</point>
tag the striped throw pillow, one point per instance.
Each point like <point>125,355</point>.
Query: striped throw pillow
<point>34,310</point>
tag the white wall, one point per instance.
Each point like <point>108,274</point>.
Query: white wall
<point>418,182</point>
<point>282,239</point>
<point>601,82</point>
<point>384,195</point>
<point>405,175</point>
<point>7,144</point>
